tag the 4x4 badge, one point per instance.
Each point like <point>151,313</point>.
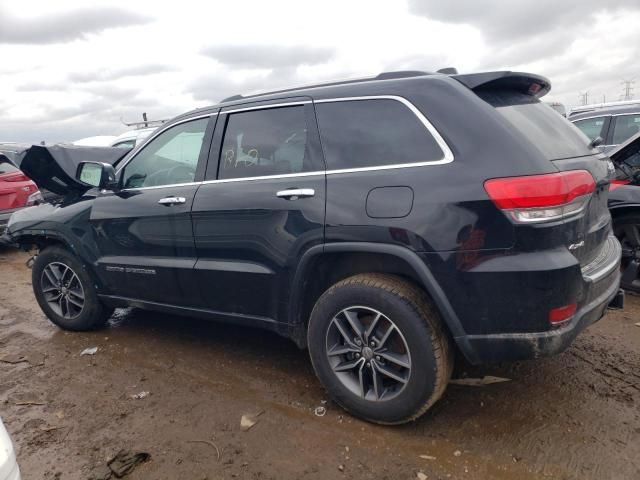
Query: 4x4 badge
<point>575,246</point>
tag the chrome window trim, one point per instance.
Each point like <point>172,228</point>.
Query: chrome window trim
<point>265,177</point>
<point>590,118</point>
<point>446,151</point>
<point>156,187</point>
<point>265,107</point>
<point>448,154</point>
<point>606,115</point>
<point>160,131</point>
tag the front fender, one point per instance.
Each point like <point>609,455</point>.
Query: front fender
<point>67,224</point>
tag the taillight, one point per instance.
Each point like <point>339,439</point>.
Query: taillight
<point>542,198</point>
<point>14,177</point>
<point>618,183</point>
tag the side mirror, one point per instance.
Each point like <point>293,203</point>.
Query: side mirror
<point>96,174</point>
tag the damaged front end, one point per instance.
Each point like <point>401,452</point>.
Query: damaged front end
<point>54,169</point>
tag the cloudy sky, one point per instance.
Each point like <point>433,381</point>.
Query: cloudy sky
<point>72,68</point>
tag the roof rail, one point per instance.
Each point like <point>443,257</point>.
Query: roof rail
<point>597,106</point>
<point>381,76</point>
<point>232,98</point>
<point>400,74</point>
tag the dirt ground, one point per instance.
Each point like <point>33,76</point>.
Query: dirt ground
<point>575,416</point>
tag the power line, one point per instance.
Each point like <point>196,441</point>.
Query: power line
<point>584,98</point>
<point>628,89</point>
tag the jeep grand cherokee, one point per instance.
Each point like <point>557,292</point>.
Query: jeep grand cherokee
<point>387,224</point>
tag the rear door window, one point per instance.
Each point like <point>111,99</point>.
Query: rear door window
<point>591,127</point>
<point>625,127</point>
<point>373,133</point>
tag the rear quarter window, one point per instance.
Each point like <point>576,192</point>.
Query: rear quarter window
<point>373,133</point>
<point>552,134</point>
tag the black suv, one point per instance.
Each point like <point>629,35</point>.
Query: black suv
<point>387,224</point>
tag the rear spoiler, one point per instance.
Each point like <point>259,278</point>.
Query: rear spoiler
<point>536,86</point>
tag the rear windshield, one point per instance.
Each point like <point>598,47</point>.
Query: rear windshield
<point>553,134</point>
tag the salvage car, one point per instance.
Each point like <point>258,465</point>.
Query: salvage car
<point>17,191</point>
<point>371,221</point>
<point>52,188</point>
<point>614,123</point>
<point>624,203</point>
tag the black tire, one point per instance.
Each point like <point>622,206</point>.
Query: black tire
<point>627,230</point>
<point>91,315</point>
<point>419,333</point>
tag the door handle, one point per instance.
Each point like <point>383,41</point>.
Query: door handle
<point>168,201</point>
<point>295,193</point>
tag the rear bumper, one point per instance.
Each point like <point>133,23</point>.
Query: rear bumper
<point>531,289</point>
<point>522,346</point>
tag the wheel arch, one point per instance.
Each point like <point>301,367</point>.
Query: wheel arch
<point>362,257</point>
<point>42,239</point>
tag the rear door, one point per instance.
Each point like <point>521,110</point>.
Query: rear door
<point>261,206</point>
<point>143,232</point>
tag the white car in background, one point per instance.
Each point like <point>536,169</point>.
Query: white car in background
<point>97,141</point>
<point>132,138</point>
<point>8,466</point>
<point>128,139</point>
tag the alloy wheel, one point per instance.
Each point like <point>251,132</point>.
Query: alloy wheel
<point>368,353</point>
<point>62,290</point>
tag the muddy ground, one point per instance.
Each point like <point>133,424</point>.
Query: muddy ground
<point>573,416</point>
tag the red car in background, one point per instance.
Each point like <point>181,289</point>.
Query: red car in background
<point>16,191</point>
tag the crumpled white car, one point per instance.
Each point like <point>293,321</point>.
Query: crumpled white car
<point>8,466</point>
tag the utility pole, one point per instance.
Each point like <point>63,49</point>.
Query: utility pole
<point>584,98</point>
<point>628,89</point>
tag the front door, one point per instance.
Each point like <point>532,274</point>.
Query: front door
<point>143,232</point>
<point>261,207</point>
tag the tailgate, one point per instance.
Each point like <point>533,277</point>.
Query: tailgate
<point>587,233</point>
<point>516,97</point>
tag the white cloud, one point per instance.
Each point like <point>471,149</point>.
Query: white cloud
<point>165,58</point>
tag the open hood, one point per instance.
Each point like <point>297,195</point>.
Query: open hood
<point>626,150</point>
<point>54,167</point>
<point>13,152</point>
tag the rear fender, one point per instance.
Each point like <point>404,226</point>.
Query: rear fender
<point>422,272</point>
